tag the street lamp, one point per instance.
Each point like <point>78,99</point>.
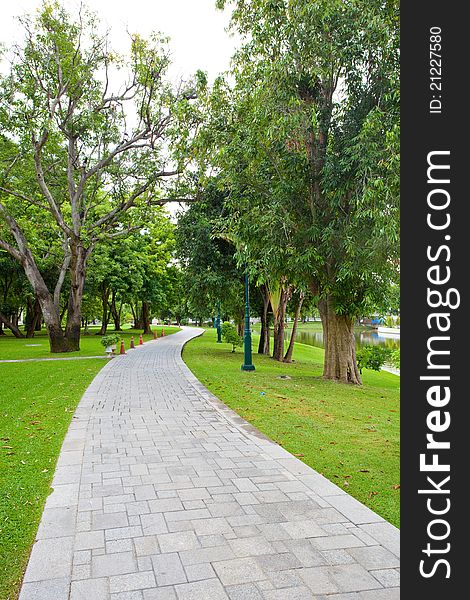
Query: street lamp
<point>247,362</point>
<point>219,329</point>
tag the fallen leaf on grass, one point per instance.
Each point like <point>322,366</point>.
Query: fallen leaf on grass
<point>299,454</point>
<point>364,471</point>
<point>396,487</point>
<point>371,494</point>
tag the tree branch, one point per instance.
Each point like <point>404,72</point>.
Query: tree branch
<point>54,209</point>
<point>11,250</point>
<point>125,205</point>
<point>23,197</point>
<point>117,234</point>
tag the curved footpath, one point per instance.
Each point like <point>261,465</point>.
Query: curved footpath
<point>162,493</point>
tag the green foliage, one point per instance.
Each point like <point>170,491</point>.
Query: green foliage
<point>110,340</point>
<point>210,271</point>
<point>372,357</point>
<point>395,358</point>
<point>81,164</point>
<point>307,143</point>
<point>230,335</point>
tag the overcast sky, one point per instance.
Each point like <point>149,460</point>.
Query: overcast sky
<point>196,28</point>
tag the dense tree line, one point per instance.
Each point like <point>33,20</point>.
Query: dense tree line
<point>304,132</point>
<point>287,167</point>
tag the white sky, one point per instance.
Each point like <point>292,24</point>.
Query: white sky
<point>196,28</point>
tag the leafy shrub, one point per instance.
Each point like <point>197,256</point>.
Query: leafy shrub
<point>389,321</point>
<point>230,335</point>
<point>372,357</point>
<point>109,340</point>
<point>395,358</point>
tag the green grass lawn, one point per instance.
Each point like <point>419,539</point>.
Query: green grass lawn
<point>90,345</point>
<point>349,434</point>
<point>37,403</point>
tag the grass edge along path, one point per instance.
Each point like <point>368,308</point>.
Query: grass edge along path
<point>39,403</point>
<point>36,407</point>
<point>350,434</point>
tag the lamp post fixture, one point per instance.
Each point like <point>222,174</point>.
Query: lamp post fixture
<point>219,328</point>
<point>248,361</point>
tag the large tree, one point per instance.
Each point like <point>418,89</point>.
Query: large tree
<point>93,153</point>
<point>307,138</point>
<point>207,256</point>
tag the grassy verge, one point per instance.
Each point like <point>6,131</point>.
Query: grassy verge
<point>349,434</point>
<point>38,346</point>
<point>38,402</point>
<point>36,407</point>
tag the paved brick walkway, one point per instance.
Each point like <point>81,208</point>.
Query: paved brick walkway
<point>162,493</point>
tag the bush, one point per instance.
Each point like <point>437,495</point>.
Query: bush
<point>230,335</point>
<point>395,358</point>
<point>372,357</point>
<point>109,340</point>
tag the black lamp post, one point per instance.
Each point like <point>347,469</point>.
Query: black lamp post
<point>248,361</point>
<point>219,328</point>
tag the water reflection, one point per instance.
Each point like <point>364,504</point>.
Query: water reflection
<point>363,338</point>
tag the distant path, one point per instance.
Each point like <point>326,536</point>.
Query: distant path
<point>391,370</point>
<point>163,493</point>
<point>22,360</point>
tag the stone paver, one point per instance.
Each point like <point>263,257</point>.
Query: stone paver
<point>161,492</point>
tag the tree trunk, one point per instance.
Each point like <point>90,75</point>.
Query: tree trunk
<point>77,284</point>
<point>115,313</point>
<point>137,315</point>
<point>263,347</point>
<point>290,349</point>
<point>33,317</point>
<point>340,345</point>
<point>8,323</point>
<point>105,315</point>
<point>146,318</point>
<point>59,341</point>
<point>1,328</point>
<point>279,325</point>
<point>50,312</point>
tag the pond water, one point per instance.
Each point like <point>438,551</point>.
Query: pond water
<point>363,338</point>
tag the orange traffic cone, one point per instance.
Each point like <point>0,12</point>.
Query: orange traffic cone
<point>122,350</point>
<point>132,342</point>
<point>163,332</point>
<point>155,334</point>
<point>141,341</point>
